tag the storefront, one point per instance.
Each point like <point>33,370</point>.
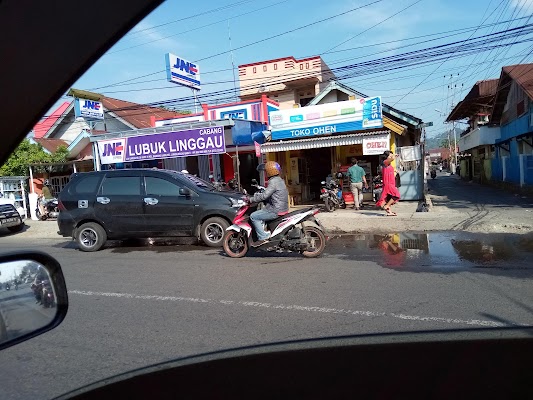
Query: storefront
<point>199,147</point>
<point>315,142</point>
<point>240,156</point>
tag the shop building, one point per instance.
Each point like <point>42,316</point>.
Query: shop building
<point>314,142</point>
<point>476,143</point>
<point>287,81</point>
<point>241,156</point>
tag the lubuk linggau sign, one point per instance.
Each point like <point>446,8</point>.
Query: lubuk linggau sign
<point>194,142</point>
<point>324,119</point>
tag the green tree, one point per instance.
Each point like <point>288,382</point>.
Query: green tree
<point>30,153</point>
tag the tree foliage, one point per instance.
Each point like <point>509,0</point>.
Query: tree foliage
<point>31,153</point>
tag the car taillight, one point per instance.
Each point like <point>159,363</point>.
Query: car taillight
<point>61,206</point>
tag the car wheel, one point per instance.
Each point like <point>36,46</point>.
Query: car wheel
<point>17,228</point>
<point>212,231</point>
<point>90,237</point>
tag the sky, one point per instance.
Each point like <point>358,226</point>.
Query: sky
<point>343,32</point>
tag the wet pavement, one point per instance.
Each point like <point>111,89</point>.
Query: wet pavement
<point>408,251</point>
<point>438,251</point>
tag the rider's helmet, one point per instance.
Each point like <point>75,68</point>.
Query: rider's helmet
<point>271,168</point>
<point>184,171</point>
<point>339,175</point>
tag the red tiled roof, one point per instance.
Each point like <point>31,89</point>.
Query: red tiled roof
<point>135,114</point>
<point>50,144</point>
<point>42,127</point>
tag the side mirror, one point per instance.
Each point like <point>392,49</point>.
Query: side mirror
<point>210,176</point>
<point>323,182</point>
<point>30,277</point>
<point>254,181</point>
<point>185,192</point>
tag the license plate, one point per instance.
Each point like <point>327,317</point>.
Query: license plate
<point>9,220</point>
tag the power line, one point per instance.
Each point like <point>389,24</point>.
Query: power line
<point>373,26</point>
<point>197,28</point>
<point>213,10</point>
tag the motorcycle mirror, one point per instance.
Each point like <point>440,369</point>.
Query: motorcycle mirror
<point>21,318</point>
<point>210,176</point>
<point>254,181</point>
<point>323,182</point>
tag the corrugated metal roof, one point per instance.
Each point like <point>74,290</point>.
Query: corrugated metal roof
<point>320,141</point>
<point>523,75</point>
<point>480,97</point>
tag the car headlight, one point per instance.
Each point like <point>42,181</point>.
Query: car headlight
<point>237,203</point>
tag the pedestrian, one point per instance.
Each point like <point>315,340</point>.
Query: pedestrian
<point>357,177</point>
<point>390,194</point>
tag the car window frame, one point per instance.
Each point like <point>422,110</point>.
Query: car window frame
<point>120,175</point>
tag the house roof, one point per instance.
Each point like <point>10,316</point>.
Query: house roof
<point>137,115</point>
<point>522,74</point>
<point>42,127</point>
<point>50,145</point>
<point>334,85</point>
<point>480,97</point>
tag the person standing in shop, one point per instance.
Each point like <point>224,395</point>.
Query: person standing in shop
<point>357,177</point>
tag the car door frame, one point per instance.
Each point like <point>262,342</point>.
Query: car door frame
<point>162,224</point>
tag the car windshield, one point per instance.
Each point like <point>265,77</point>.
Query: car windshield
<point>419,111</point>
<point>199,182</point>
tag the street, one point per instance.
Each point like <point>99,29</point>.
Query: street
<point>19,313</point>
<point>135,304</point>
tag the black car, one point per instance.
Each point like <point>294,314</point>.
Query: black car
<point>141,203</point>
<point>10,218</point>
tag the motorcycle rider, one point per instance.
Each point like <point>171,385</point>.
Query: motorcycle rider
<point>275,197</point>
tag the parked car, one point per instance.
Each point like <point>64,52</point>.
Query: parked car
<point>141,203</point>
<point>10,218</point>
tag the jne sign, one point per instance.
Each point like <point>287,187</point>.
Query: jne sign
<point>375,145</point>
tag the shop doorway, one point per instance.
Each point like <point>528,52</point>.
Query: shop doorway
<point>248,170</point>
<point>319,167</point>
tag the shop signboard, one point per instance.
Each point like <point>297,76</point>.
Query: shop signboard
<point>375,145</point>
<point>194,142</point>
<point>182,72</point>
<point>327,119</point>
<point>88,109</point>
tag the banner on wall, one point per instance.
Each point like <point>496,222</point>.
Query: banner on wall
<point>375,145</point>
<point>327,119</point>
<point>194,142</point>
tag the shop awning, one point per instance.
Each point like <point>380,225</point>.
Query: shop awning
<point>321,141</point>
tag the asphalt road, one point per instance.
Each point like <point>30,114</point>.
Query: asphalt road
<point>19,313</point>
<point>131,306</point>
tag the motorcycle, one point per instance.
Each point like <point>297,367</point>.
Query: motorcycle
<point>8,286</point>
<point>47,295</point>
<point>433,174</point>
<point>331,193</point>
<point>377,187</point>
<point>218,184</point>
<point>288,233</point>
<point>47,208</point>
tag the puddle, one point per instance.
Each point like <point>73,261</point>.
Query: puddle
<point>446,250</point>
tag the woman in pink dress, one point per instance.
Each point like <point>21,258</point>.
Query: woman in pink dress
<point>390,194</point>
